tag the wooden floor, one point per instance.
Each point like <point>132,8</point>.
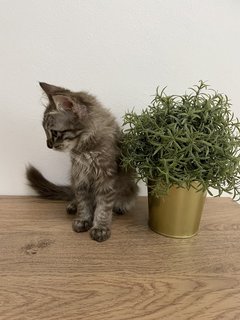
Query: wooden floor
<point>49,272</point>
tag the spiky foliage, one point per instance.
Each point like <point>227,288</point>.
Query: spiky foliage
<point>179,139</point>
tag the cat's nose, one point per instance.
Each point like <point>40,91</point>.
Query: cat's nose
<point>49,144</point>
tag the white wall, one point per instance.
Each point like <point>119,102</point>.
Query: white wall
<point>120,50</point>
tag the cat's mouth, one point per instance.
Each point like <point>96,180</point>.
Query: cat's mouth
<point>55,146</point>
<point>58,147</point>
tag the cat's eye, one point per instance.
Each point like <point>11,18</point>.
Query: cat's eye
<point>54,133</point>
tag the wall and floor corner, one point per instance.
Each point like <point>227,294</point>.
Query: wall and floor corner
<point>119,50</point>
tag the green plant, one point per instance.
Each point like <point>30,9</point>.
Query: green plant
<point>179,139</point>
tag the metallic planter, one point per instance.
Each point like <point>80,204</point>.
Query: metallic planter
<point>177,214</point>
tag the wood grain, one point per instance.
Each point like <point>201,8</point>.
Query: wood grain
<point>49,272</point>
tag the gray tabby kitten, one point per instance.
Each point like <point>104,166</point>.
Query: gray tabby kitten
<point>78,123</point>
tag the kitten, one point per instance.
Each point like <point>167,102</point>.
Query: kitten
<point>78,123</point>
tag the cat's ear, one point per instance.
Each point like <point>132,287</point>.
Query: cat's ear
<point>50,89</point>
<point>65,103</point>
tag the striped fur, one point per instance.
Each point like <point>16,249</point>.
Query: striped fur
<point>78,123</point>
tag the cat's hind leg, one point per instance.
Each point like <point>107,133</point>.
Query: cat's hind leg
<point>72,207</point>
<point>121,208</point>
<point>125,199</point>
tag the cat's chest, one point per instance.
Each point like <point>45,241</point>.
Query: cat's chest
<point>85,164</point>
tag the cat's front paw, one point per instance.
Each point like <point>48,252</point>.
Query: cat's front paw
<point>79,225</point>
<point>100,233</point>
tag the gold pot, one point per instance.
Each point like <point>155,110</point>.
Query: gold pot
<point>178,213</point>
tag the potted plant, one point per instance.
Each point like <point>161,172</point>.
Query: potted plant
<point>183,146</point>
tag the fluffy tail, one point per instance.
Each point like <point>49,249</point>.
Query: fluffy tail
<point>47,189</point>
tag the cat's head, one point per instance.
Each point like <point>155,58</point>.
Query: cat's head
<point>65,116</point>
